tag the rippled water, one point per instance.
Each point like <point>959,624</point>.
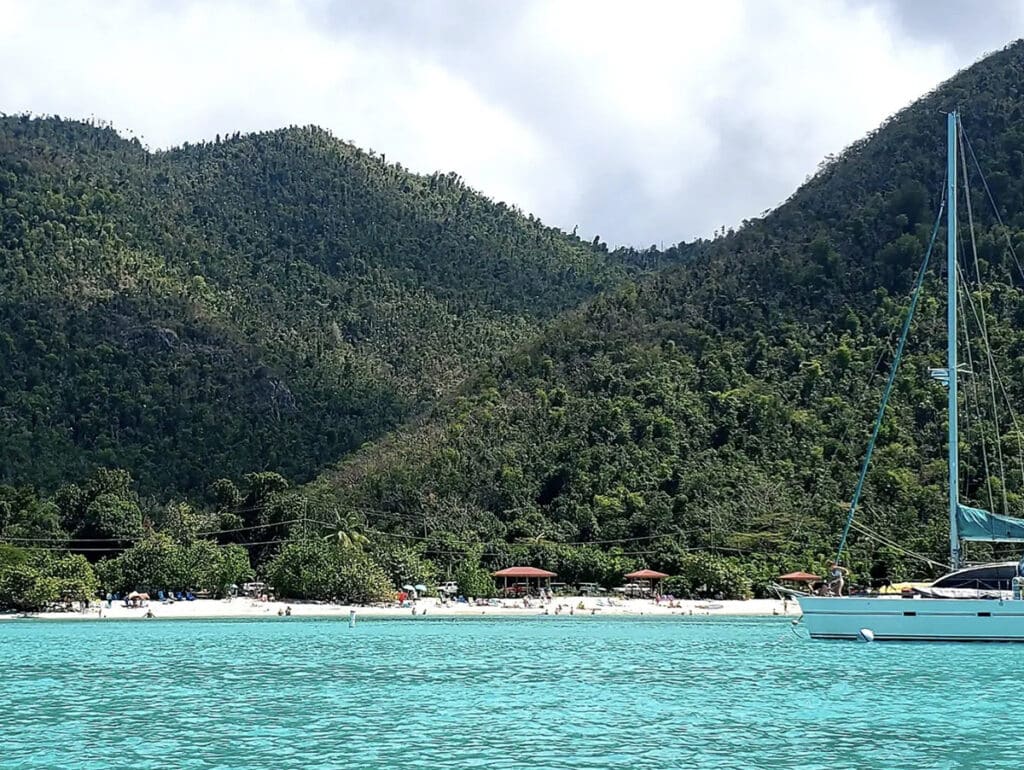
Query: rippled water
<point>524,693</point>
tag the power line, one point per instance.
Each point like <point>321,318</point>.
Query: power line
<point>127,547</point>
<point>138,539</point>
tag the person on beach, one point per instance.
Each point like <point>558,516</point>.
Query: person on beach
<point>836,579</point>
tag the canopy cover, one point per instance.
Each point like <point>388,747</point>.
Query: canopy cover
<point>800,577</point>
<point>977,524</point>
<point>523,572</point>
<point>646,574</point>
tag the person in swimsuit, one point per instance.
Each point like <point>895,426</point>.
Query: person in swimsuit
<point>836,579</point>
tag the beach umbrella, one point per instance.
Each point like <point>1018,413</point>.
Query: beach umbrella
<point>134,595</point>
<point>408,587</point>
<point>420,587</point>
<point>646,574</point>
<point>800,577</point>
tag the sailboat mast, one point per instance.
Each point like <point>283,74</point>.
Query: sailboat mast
<point>951,362</point>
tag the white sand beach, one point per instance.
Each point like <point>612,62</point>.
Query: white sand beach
<point>565,606</point>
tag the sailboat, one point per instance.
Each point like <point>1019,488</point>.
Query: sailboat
<point>971,603</point>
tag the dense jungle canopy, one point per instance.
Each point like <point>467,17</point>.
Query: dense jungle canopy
<point>281,337</point>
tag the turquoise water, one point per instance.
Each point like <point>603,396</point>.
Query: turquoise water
<point>525,693</point>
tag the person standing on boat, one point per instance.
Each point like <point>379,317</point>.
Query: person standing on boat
<point>836,579</point>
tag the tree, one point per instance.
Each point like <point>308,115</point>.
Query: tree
<point>104,509</point>
<point>183,522</point>
<point>225,495</point>
<point>31,580</point>
<point>76,579</point>
<point>24,587</point>
<point>706,575</point>
<point>312,568</point>
<point>349,539</point>
<point>154,563</point>
<point>475,581</point>
<point>304,569</point>
<point>110,481</point>
<point>158,562</point>
<point>263,486</point>
<point>234,567</point>
<point>404,564</point>
<point>24,516</point>
<point>110,517</point>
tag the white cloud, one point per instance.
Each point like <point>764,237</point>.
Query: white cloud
<point>648,121</point>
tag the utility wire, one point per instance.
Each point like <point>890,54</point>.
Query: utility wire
<point>137,539</point>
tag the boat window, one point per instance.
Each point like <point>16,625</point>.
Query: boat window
<point>992,577</point>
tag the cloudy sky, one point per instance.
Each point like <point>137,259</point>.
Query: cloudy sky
<point>643,122</point>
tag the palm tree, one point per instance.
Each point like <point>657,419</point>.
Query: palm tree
<point>349,538</point>
<point>346,531</point>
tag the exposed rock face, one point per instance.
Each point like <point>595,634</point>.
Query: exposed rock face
<point>151,336</point>
<point>274,393</point>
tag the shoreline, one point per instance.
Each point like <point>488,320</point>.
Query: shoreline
<point>568,606</point>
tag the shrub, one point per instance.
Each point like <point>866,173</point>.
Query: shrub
<point>475,581</point>
<point>30,580</point>
<point>317,569</point>
<point>706,574</point>
<point>24,587</point>
<point>160,563</point>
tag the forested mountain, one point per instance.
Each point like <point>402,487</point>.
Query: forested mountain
<point>725,403</point>
<point>273,301</point>
<point>262,302</point>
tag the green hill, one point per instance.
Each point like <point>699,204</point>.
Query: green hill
<point>275,301</point>
<point>265,302</point>
<point>726,401</point>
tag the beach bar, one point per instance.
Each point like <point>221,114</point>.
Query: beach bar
<point>526,574</point>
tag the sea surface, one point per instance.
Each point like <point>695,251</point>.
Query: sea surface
<point>539,693</point>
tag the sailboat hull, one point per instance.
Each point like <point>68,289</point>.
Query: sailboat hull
<point>917,620</point>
